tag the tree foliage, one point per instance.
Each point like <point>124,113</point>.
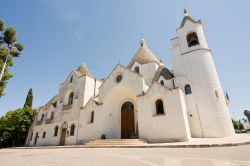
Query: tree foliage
<point>14,125</point>
<point>237,124</point>
<point>29,99</point>
<point>8,46</point>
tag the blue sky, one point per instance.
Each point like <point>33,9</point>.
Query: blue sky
<point>59,35</point>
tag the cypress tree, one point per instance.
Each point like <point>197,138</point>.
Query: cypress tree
<point>29,99</point>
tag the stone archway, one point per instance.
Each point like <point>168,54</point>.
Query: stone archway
<point>127,120</point>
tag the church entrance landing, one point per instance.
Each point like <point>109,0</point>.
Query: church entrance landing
<point>127,120</point>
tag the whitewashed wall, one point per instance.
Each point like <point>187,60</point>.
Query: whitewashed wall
<point>146,70</point>
<point>195,66</point>
<point>171,126</point>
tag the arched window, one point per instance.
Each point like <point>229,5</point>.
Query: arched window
<point>42,117</point>
<point>92,117</point>
<point>162,82</point>
<point>137,69</point>
<point>188,89</point>
<point>56,131</point>
<point>71,79</point>
<point>72,129</point>
<point>127,105</point>
<point>192,39</point>
<point>71,98</point>
<point>44,134</point>
<point>52,115</point>
<point>31,136</point>
<point>159,107</point>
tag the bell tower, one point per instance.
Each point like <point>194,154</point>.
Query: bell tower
<point>196,75</point>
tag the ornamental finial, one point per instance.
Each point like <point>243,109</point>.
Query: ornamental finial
<point>185,11</point>
<point>143,42</point>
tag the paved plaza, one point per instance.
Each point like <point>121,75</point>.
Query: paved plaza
<point>222,156</point>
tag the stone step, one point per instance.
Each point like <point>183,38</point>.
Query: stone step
<point>117,141</point>
<point>108,142</point>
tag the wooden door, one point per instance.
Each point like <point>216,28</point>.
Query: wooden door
<point>63,136</point>
<point>127,120</point>
<point>36,138</point>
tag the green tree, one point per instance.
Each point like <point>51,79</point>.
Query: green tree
<point>14,125</point>
<point>9,48</point>
<point>235,124</point>
<point>241,125</point>
<point>29,99</point>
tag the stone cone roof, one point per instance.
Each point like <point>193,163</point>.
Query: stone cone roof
<point>143,55</point>
<point>83,70</point>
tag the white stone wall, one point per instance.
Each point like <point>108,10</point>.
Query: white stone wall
<point>87,130</point>
<point>113,95</point>
<point>146,70</point>
<point>167,83</point>
<point>195,66</point>
<point>203,113</point>
<point>49,138</point>
<point>171,126</point>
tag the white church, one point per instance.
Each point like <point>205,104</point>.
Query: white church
<point>142,100</point>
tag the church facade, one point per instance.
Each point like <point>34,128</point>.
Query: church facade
<point>142,100</point>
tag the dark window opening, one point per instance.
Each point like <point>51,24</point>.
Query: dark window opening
<point>92,117</point>
<point>118,78</point>
<point>71,98</point>
<point>192,39</point>
<point>31,136</point>
<point>71,79</point>
<point>188,89</point>
<point>162,82</point>
<point>72,129</point>
<point>52,115</point>
<point>42,117</point>
<point>128,105</point>
<point>159,107</point>
<point>137,69</point>
<point>44,134</point>
<point>56,131</point>
<point>54,104</point>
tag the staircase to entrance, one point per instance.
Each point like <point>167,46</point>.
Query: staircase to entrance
<point>116,142</point>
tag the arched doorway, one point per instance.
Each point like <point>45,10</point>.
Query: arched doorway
<point>127,120</point>
<point>63,133</point>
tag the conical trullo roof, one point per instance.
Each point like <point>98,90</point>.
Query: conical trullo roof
<point>143,55</point>
<point>83,70</point>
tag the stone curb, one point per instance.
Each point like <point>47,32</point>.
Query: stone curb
<point>137,146</point>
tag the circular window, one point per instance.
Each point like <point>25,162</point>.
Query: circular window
<point>119,78</point>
